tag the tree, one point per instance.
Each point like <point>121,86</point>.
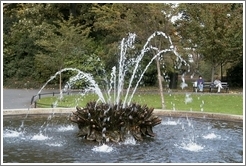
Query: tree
<point>64,44</point>
<point>20,22</point>
<point>31,29</point>
<point>215,30</point>
<point>236,74</point>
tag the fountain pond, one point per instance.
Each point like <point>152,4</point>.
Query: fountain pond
<point>52,138</point>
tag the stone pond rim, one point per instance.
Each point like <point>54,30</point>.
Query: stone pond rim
<point>167,113</point>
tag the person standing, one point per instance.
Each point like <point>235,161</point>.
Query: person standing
<point>200,83</point>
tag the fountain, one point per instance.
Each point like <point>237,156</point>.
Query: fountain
<point>115,130</point>
<point>112,119</point>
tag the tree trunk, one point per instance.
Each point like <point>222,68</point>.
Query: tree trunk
<point>159,77</point>
<point>221,72</point>
<point>160,83</point>
<point>60,85</point>
<point>212,73</point>
<point>72,9</point>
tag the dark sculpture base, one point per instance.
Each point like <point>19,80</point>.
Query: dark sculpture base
<point>104,123</point>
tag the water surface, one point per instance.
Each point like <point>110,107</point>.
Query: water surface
<point>53,139</point>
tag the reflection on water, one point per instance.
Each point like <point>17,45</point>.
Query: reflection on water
<point>46,139</point>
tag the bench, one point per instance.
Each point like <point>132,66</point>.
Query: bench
<point>225,86</point>
<point>211,86</point>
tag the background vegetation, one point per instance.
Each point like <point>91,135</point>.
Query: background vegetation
<point>39,39</point>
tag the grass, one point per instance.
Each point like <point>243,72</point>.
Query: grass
<point>206,102</point>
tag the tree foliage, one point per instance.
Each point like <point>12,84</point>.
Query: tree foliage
<point>215,30</point>
<point>41,42</point>
<point>41,38</point>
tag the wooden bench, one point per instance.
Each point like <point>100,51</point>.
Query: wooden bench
<point>210,86</point>
<point>225,86</point>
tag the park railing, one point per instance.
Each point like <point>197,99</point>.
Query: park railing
<point>40,95</point>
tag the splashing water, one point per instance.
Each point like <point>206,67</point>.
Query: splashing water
<point>201,105</point>
<point>188,99</point>
<point>117,79</point>
<point>211,136</point>
<point>130,141</point>
<point>80,75</point>
<point>127,66</point>
<point>11,133</point>
<point>39,137</point>
<point>103,148</point>
<point>170,122</point>
<point>183,84</point>
<point>191,146</point>
<point>66,128</point>
<point>54,144</point>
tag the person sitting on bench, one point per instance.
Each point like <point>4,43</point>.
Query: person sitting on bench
<point>200,83</point>
<point>217,83</point>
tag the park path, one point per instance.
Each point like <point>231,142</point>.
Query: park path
<point>19,98</point>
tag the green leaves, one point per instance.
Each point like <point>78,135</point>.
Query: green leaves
<point>211,27</point>
<point>57,35</point>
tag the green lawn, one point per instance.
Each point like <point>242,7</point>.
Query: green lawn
<point>207,102</point>
<point>231,104</point>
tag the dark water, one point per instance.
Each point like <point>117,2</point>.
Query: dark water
<point>42,139</point>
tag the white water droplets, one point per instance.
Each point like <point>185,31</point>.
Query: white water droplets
<point>103,148</point>
<point>188,98</point>
<point>201,105</point>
